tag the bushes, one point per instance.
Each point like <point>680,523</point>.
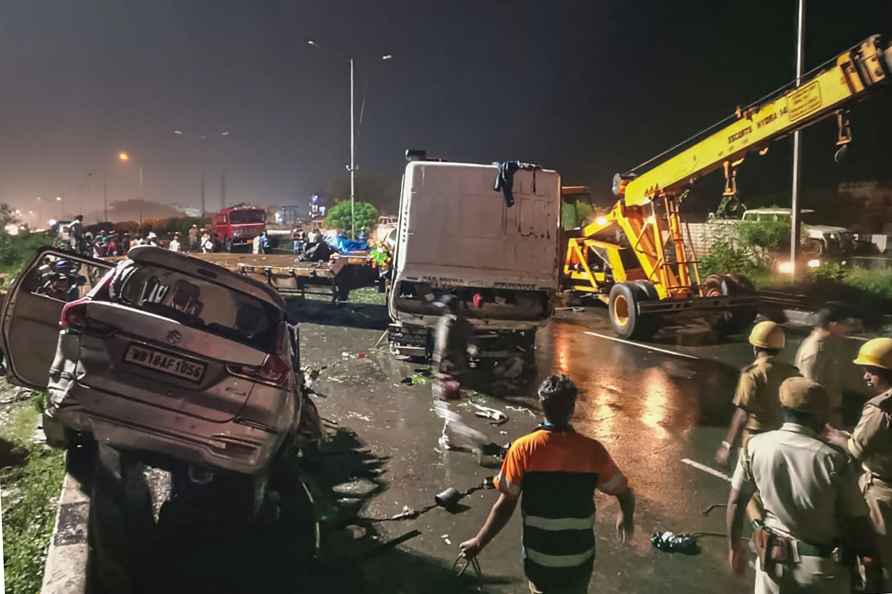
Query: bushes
<point>726,257</point>
<point>876,282</point>
<point>15,250</point>
<point>765,236</point>
<point>338,216</point>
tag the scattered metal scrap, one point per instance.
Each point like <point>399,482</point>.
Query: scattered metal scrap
<point>496,416</point>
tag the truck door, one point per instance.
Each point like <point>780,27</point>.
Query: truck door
<point>29,318</point>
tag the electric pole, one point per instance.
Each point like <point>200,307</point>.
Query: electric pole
<point>797,149</point>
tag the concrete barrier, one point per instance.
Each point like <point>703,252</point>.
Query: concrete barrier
<point>66,569</point>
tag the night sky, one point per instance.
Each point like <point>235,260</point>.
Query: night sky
<point>587,88</point>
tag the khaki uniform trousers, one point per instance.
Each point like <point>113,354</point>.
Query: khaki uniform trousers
<point>811,575</point>
<point>878,495</point>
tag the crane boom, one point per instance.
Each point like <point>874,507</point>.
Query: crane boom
<point>825,91</point>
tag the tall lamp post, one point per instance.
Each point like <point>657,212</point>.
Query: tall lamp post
<point>351,168</point>
<point>203,138</point>
<point>124,157</point>
<point>797,147</point>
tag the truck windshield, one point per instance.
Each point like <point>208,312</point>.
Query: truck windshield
<point>243,217</point>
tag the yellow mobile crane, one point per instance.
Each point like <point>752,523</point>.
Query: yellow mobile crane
<point>639,258</point>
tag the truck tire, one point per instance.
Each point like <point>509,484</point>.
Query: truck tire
<point>623,311</point>
<point>731,285</point>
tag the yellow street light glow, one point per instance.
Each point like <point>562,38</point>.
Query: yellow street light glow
<point>122,156</point>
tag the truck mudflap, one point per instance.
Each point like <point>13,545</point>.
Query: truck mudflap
<point>699,304</point>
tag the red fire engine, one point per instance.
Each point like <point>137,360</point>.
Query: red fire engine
<point>237,225</point>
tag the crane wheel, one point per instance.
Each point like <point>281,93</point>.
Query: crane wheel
<point>625,319</point>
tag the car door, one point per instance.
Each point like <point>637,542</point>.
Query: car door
<point>29,319</point>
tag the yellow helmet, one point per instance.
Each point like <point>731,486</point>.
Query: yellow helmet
<point>876,352</point>
<point>768,335</point>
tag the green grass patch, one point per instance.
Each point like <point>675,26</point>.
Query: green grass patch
<point>31,490</point>
<point>21,427</point>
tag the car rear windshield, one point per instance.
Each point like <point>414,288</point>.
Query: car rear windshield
<point>197,303</point>
<point>243,217</point>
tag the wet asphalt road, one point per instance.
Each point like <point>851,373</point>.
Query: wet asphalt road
<point>649,407</point>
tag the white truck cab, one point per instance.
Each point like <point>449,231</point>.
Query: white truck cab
<point>458,235</point>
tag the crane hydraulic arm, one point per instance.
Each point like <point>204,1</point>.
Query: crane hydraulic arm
<point>641,242</point>
<point>822,93</point>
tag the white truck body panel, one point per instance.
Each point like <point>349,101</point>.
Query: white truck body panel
<point>455,230</point>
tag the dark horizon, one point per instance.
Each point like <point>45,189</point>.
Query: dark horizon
<point>585,88</point>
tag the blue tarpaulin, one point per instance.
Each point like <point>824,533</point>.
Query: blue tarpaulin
<point>344,245</point>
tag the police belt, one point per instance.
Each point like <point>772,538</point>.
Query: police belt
<point>773,547</point>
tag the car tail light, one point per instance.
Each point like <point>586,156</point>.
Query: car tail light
<point>74,316</point>
<point>274,371</point>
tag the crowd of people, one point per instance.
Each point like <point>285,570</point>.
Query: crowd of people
<point>109,242</point>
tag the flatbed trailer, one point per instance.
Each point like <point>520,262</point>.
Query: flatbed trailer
<point>291,277</point>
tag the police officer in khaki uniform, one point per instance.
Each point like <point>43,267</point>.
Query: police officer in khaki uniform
<point>871,445</point>
<point>810,496</point>
<point>756,398</point>
<point>820,357</point>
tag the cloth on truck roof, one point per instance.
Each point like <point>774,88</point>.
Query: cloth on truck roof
<point>505,178</point>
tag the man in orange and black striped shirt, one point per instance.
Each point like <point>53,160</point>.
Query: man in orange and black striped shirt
<point>557,470</point>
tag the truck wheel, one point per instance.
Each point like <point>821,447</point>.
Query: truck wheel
<point>227,246</point>
<point>623,310</point>
<point>731,285</point>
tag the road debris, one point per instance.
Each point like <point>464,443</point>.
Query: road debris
<point>496,416</point>
<point>669,542</point>
<point>445,538</point>
<point>392,543</point>
<point>420,376</point>
<point>685,542</point>
<point>521,409</point>
<point>706,469</point>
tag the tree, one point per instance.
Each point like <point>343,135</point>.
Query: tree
<point>6,216</point>
<point>338,216</point>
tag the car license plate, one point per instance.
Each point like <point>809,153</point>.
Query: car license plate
<point>164,362</point>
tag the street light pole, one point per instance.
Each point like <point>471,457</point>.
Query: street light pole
<point>203,139</point>
<point>351,96</point>
<point>797,147</point>
<point>105,191</point>
<point>352,158</point>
